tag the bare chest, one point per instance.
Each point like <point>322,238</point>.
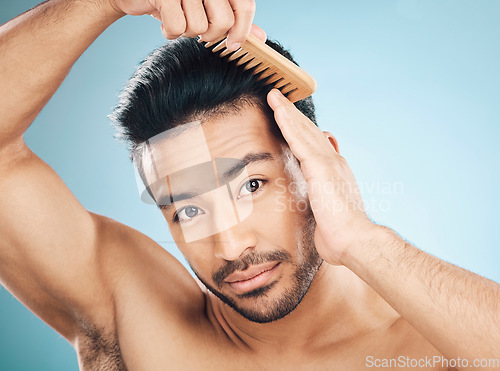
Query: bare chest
<point>111,359</point>
<point>212,351</point>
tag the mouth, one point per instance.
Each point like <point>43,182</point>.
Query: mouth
<point>252,278</point>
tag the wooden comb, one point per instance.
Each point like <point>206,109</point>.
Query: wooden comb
<point>267,63</point>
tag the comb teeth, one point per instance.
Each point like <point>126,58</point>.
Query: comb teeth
<point>267,65</point>
<point>225,52</point>
<point>262,68</point>
<point>240,53</point>
<point>208,44</point>
<point>253,63</point>
<point>219,47</point>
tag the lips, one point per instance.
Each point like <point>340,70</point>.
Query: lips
<point>250,272</point>
<point>252,278</point>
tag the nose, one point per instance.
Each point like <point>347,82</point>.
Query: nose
<point>233,242</point>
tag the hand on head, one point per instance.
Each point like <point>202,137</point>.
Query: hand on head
<point>332,189</point>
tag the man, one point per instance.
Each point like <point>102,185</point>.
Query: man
<point>122,301</point>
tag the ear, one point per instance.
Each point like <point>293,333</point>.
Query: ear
<point>332,140</point>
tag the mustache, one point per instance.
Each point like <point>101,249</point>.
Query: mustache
<point>245,262</point>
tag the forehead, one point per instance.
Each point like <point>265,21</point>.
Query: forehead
<point>235,135</point>
<point>229,136</point>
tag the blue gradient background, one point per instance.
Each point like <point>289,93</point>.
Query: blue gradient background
<point>411,89</point>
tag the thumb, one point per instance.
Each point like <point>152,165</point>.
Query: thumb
<point>258,32</point>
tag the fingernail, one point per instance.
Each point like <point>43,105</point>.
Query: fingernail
<point>276,93</point>
<point>274,98</point>
<point>233,46</point>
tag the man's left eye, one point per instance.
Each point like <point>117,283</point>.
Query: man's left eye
<point>250,187</point>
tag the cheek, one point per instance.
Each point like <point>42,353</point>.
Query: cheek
<point>199,258</point>
<point>276,215</point>
<point>195,253</point>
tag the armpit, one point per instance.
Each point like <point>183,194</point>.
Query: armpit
<point>99,349</point>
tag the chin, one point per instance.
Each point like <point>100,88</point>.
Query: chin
<point>270,302</point>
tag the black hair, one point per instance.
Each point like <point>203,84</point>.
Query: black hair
<point>183,81</point>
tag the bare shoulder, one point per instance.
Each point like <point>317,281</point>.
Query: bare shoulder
<point>133,267</point>
<point>153,301</point>
<point>134,264</point>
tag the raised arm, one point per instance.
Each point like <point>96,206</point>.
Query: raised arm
<point>48,239</point>
<point>37,50</point>
<point>53,253</point>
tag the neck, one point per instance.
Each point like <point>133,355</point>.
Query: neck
<point>337,307</point>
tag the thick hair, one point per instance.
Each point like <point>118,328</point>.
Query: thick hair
<point>182,81</point>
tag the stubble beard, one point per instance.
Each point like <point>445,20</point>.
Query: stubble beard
<point>307,265</point>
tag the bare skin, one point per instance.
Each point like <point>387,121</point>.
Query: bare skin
<point>123,301</point>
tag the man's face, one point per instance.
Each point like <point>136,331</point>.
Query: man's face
<point>246,237</point>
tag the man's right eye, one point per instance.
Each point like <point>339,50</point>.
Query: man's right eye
<point>187,213</point>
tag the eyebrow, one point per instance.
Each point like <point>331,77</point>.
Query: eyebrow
<point>167,202</point>
<point>248,159</point>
